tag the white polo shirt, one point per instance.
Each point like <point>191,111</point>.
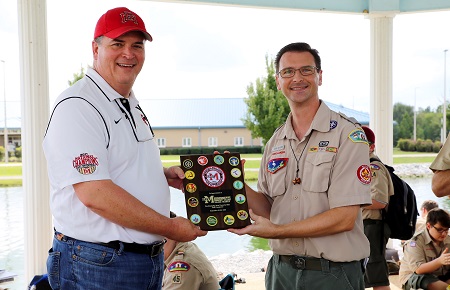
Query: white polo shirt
<point>92,136</point>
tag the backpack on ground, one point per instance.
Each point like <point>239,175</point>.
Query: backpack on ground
<point>401,213</point>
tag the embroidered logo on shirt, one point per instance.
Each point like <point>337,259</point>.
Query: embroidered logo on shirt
<point>333,124</point>
<point>276,164</point>
<point>85,163</point>
<point>178,266</point>
<point>364,175</point>
<point>358,136</point>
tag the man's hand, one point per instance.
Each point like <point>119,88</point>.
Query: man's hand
<point>183,230</point>
<point>174,176</point>
<point>261,227</point>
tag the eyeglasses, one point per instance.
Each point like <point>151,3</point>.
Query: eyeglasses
<point>441,230</point>
<point>289,72</point>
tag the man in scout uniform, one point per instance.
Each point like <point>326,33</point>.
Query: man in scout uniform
<point>187,268</point>
<point>313,180</point>
<point>440,184</point>
<point>426,257</point>
<point>381,187</point>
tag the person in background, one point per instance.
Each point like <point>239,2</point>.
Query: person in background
<point>426,260</point>
<point>110,193</point>
<point>313,180</point>
<point>376,230</point>
<point>440,183</point>
<point>426,206</point>
<point>187,268</point>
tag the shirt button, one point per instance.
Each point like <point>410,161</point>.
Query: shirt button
<point>295,197</point>
<point>296,244</point>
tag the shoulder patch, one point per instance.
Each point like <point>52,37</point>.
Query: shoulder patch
<point>358,136</point>
<point>179,266</point>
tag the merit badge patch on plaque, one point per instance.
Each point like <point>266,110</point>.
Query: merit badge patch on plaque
<point>214,191</point>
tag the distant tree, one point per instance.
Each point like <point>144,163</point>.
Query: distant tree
<point>401,126</point>
<point>267,108</point>
<point>406,127</point>
<point>77,77</point>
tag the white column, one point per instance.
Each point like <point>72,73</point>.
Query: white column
<point>32,17</point>
<point>381,105</point>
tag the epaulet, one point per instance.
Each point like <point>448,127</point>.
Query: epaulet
<point>279,127</point>
<point>350,119</point>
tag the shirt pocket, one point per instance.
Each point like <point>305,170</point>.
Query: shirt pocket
<point>317,171</point>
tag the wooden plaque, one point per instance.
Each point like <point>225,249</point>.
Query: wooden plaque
<point>214,191</point>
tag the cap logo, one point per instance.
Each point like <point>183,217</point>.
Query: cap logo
<point>128,16</point>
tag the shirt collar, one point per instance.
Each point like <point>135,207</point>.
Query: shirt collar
<point>108,91</point>
<point>321,122</point>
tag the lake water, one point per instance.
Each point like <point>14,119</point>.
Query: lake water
<point>213,244</point>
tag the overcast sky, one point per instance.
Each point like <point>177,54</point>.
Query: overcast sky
<point>202,51</point>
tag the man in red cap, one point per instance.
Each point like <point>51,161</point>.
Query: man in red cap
<point>110,194</point>
<point>377,232</point>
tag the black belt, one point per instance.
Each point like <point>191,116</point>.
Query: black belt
<point>308,263</point>
<point>153,249</point>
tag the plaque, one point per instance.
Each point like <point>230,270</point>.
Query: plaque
<point>214,191</point>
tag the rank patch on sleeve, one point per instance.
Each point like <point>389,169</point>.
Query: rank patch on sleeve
<point>358,136</point>
<point>85,163</point>
<point>276,164</point>
<point>364,174</point>
<point>178,266</point>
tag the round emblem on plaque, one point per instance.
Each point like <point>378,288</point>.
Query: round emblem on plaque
<point>242,215</point>
<point>238,184</point>
<point>195,218</point>
<point>240,198</point>
<point>202,160</point>
<point>191,187</point>
<point>189,174</point>
<point>234,161</point>
<point>236,172</point>
<point>228,219</point>
<point>188,163</point>
<point>218,159</point>
<point>192,202</point>
<point>213,176</point>
<point>211,221</point>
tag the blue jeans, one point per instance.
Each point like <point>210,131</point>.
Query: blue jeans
<point>75,264</point>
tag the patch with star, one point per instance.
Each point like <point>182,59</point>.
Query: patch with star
<point>276,164</point>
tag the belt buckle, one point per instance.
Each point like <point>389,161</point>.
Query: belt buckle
<point>157,248</point>
<point>297,262</point>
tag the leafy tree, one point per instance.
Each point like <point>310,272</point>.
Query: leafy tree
<point>77,77</point>
<point>406,127</point>
<point>267,108</point>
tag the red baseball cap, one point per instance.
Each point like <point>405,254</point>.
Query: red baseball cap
<point>369,134</point>
<point>118,21</point>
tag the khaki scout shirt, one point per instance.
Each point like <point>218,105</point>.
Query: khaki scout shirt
<point>420,250</point>
<point>187,268</point>
<point>381,188</point>
<point>442,160</point>
<point>334,171</point>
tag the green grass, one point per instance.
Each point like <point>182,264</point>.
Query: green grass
<point>12,170</point>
